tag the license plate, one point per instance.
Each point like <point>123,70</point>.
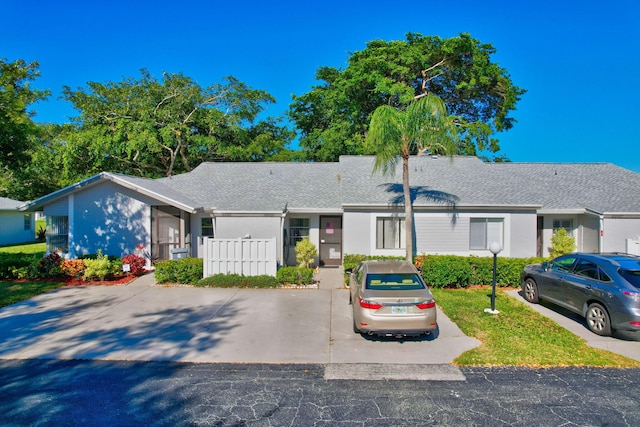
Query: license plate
<point>398,310</point>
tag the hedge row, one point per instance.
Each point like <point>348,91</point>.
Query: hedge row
<point>189,271</point>
<point>450,271</point>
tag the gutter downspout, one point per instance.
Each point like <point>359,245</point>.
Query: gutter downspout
<point>282,239</point>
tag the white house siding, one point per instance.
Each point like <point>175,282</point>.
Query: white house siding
<point>588,230</point>
<point>442,233</point>
<point>234,227</point>
<point>57,208</point>
<point>522,235</point>
<point>110,218</point>
<point>617,229</point>
<point>357,233</point>
<point>12,228</point>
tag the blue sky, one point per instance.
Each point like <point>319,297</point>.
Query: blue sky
<point>578,60</point>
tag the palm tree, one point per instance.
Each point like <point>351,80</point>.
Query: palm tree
<point>396,134</point>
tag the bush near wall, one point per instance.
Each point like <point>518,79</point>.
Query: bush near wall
<point>450,271</point>
<point>185,271</point>
<point>238,281</point>
<point>295,275</point>
<point>17,266</point>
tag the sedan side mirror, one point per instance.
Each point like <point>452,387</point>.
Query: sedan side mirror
<point>545,266</point>
<point>348,271</point>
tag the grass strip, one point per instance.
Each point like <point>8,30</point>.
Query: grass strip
<point>518,335</point>
<point>26,248</point>
<point>13,292</point>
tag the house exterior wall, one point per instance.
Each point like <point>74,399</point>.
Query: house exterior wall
<point>589,226</point>
<point>442,233</point>
<point>523,235</point>
<point>235,227</point>
<point>12,228</point>
<point>617,230</point>
<point>109,218</point>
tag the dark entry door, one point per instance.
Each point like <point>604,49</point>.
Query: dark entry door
<point>330,240</point>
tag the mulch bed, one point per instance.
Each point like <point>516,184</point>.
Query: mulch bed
<point>70,281</point>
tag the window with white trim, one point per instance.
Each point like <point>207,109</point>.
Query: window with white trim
<point>390,233</point>
<point>298,229</point>
<point>484,231</point>
<point>567,224</point>
<point>27,221</point>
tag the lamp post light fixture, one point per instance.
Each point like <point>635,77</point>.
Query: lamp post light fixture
<point>495,249</point>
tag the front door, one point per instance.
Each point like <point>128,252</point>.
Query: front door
<point>330,240</point>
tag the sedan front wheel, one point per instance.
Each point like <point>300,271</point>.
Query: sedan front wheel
<point>598,320</point>
<point>530,289</point>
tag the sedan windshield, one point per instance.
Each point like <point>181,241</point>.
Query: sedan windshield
<point>384,282</point>
<point>631,276</point>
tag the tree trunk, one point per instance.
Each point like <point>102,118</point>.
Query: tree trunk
<point>408,207</point>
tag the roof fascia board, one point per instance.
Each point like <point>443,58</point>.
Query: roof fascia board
<point>217,213</point>
<point>58,194</point>
<point>94,180</point>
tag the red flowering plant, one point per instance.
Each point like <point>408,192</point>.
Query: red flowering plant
<point>136,264</point>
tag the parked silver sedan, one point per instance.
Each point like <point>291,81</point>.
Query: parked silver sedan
<point>602,288</point>
<point>389,298</point>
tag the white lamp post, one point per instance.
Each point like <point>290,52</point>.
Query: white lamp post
<point>495,249</point>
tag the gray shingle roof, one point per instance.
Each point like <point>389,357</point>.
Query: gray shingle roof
<point>468,181</point>
<point>442,181</point>
<point>261,187</point>
<point>9,204</point>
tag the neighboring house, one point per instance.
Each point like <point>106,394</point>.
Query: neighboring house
<point>461,206</point>
<point>15,226</point>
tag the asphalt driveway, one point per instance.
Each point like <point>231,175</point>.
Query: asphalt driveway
<point>143,321</point>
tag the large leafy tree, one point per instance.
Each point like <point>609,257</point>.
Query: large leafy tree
<point>395,134</point>
<point>152,127</point>
<point>18,132</point>
<point>333,118</point>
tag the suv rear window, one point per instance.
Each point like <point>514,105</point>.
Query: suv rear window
<point>631,276</point>
<point>386,282</point>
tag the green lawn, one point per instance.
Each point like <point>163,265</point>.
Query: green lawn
<point>25,248</point>
<point>517,335</point>
<point>13,292</point>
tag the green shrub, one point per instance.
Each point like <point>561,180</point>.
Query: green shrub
<point>186,271</point>
<point>306,252</point>
<point>98,268</point>
<point>297,275</point>
<point>18,266</point>
<point>238,281</point>
<point>351,261</point>
<point>442,271</point>
<point>561,243</point>
<point>459,271</point>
